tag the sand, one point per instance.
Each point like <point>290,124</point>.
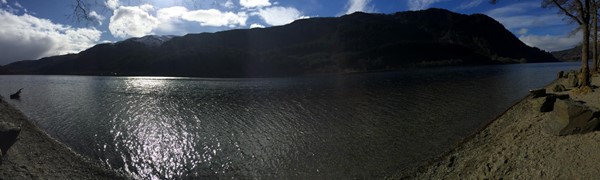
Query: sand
<point>37,156</point>
<point>518,146</point>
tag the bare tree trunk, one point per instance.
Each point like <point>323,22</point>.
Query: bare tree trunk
<point>594,37</point>
<point>584,79</point>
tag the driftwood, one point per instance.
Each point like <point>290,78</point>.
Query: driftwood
<point>16,95</point>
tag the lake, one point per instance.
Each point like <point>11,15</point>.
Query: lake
<point>368,125</point>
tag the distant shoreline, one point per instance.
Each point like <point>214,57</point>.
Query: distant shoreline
<point>291,76</point>
<point>36,155</point>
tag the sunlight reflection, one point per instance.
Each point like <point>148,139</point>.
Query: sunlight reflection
<point>152,134</point>
<point>146,84</point>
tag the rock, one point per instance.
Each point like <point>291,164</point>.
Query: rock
<point>572,117</point>
<point>544,104</point>
<point>560,74</point>
<point>548,104</point>
<point>8,135</point>
<point>537,103</point>
<point>562,96</point>
<point>572,80</point>
<point>535,93</point>
<point>16,95</point>
<point>559,88</point>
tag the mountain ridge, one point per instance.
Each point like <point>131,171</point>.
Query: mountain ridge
<point>359,42</point>
<point>569,55</point>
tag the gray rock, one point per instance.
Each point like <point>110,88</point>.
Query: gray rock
<point>572,117</point>
<point>8,135</point>
<point>561,74</point>
<point>572,80</point>
<point>545,104</point>
<point>535,93</point>
<point>537,103</point>
<point>559,88</point>
<point>548,104</point>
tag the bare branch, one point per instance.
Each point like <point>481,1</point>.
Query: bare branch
<point>557,4</point>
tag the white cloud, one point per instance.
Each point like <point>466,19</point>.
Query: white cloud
<point>420,4</point>
<point>171,12</point>
<point>254,3</point>
<point>132,21</point>
<point>469,4</point>
<point>228,4</point>
<point>29,37</point>
<point>97,16</point>
<point>277,15</point>
<point>3,1</point>
<point>517,8</point>
<point>10,9</point>
<point>214,17</point>
<point>358,5</point>
<point>256,26</point>
<point>516,16</point>
<point>525,21</point>
<point>552,42</point>
<point>112,4</point>
<point>523,31</point>
<point>18,5</point>
<point>169,19</point>
<point>172,19</point>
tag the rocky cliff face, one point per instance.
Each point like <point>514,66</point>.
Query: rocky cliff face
<point>357,42</point>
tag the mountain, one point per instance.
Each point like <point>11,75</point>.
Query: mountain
<point>573,54</point>
<point>151,40</point>
<point>358,42</point>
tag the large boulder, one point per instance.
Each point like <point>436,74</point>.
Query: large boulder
<point>544,104</point>
<point>572,117</point>
<point>8,136</point>
<point>572,79</point>
<point>535,93</point>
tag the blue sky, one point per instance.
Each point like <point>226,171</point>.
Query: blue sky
<point>31,29</point>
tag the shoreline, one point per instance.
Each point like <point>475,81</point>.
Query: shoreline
<point>36,155</point>
<point>516,145</point>
<point>404,173</point>
<point>287,76</point>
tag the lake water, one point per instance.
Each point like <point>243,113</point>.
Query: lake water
<point>339,126</point>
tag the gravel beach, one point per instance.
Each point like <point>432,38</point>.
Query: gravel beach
<point>517,145</point>
<point>35,155</point>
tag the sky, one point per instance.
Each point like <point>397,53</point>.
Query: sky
<point>32,29</point>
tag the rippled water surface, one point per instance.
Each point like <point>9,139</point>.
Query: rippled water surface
<point>339,126</point>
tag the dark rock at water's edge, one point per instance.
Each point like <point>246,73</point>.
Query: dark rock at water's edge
<point>358,42</point>
<point>572,117</point>
<point>16,95</point>
<point>537,92</point>
<point>8,136</point>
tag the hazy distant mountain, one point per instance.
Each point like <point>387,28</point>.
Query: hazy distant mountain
<point>352,43</point>
<point>573,54</point>
<point>151,40</point>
